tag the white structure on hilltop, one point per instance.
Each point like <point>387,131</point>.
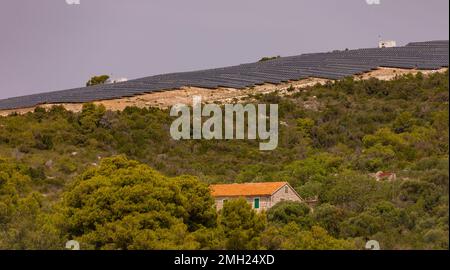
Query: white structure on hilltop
<point>387,44</point>
<point>118,80</point>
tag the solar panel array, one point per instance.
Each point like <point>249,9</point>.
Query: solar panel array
<point>330,65</point>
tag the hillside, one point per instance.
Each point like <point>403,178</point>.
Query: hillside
<point>116,179</point>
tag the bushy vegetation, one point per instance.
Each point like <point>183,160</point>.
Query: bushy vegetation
<point>97,80</point>
<point>267,58</point>
<point>116,180</point>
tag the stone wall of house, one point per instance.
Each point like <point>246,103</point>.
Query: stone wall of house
<point>264,202</point>
<point>286,193</point>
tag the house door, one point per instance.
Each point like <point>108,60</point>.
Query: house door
<point>256,203</point>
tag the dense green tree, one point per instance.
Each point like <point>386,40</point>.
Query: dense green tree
<point>241,225</point>
<point>292,237</point>
<point>24,223</point>
<point>97,80</point>
<point>124,204</point>
<point>329,217</point>
<point>286,212</point>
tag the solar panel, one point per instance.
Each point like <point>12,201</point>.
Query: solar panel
<point>329,65</point>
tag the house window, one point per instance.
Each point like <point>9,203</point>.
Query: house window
<point>256,203</point>
<point>286,189</point>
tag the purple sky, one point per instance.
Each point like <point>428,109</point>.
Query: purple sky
<point>48,45</point>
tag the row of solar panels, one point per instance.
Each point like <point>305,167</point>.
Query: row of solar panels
<point>331,65</point>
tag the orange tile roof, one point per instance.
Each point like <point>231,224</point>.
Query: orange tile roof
<point>247,189</point>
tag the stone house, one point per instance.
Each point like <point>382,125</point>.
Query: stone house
<point>384,176</point>
<point>261,196</point>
